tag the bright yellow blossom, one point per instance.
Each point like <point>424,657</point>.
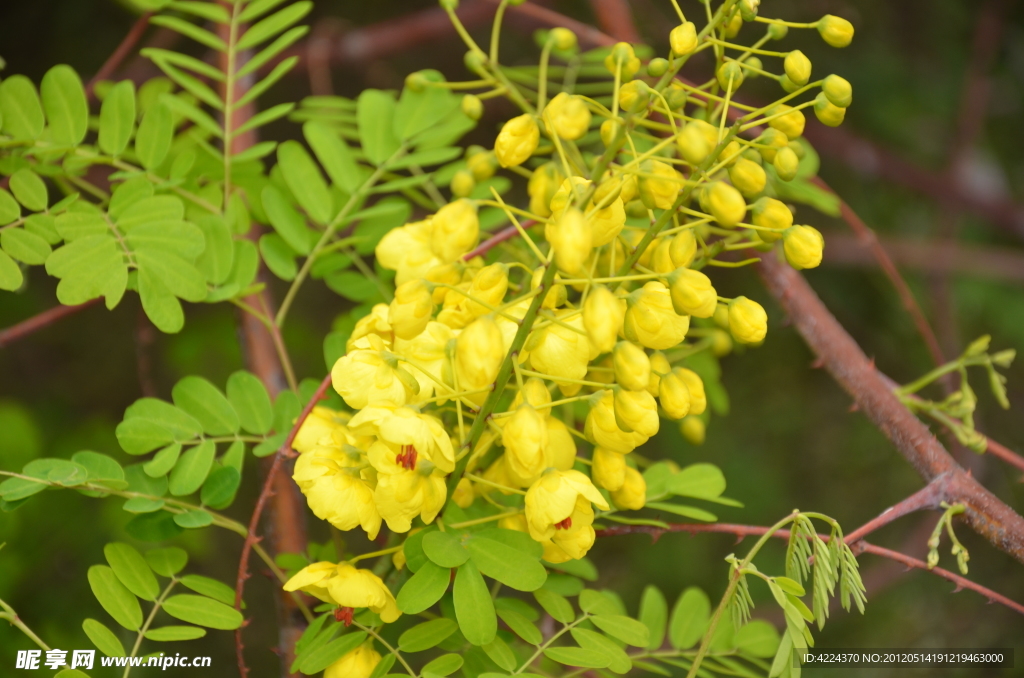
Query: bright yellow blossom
<point>358,663</point>
<point>517,141</point>
<point>651,320</point>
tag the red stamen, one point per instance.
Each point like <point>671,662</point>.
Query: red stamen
<point>407,457</point>
<point>564,524</point>
<point>344,614</point>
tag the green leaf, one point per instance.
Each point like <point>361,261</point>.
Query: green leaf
<point>445,665</point>
<point>20,109</point>
<point>413,549</point>
<point>89,267</point>
<point>157,208</point>
<point>501,654</point>
<point>220,488</point>
<point>618,660</point>
<point>172,633</point>
<point>44,225</point>
<point>510,566</point>
<point>29,189</point>
<point>305,181</point>
<point>426,635</point>
<point>597,602</point>
<point>117,118</point>
<point>193,519</point>
<point>26,247</point>
<point>577,656</point>
<point>185,61</point>
<point>209,587</point>
<point>555,605</point>
<point>690,618</point>
<point>654,614</point>
<point>72,226</point>
<point>153,527</point>
<point>757,638</point>
<point>143,505</point>
<point>251,401</point>
<point>102,469</point>
<point>219,254</point>
<point>627,630</point>
<point>186,109</point>
<point>10,210</point>
<point>424,588</point>
<point>58,471</point>
<point>10,274</point>
<point>200,35</point>
<point>519,541</point>
<point>266,117</point>
<point>204,401</point>
<point>203,611</point>
<point>166,423</point>
<point>521,626</point>
<point>190,84</point>
<point>161,307</point>
<point>698,480</point>
<point>115,598</point>
<point>418,111</point>
<point>203,10</point>
<point>279,256</point>
<point>179,238</point>
<point>139,481</point>
<point>322,657</point>
<point>103,638</point>
<point>335,155</point>
<point>132,570</point>
<point>233,458</point>
<point>176,275</point>
<point>16,489</point>
<point>191,470</point>
<point>790,586</point>
<point>280,70</point>
<point>473,605</point>
<point>65,105</point>
<point>167,562</point>
<point>445,549</point>
<point>375,111</point>
<point>153,139</point>
<point>257,8</point>
<point>274,24</point>
<point>287,221</point>
<point>683,510</point>
<point>279,45</point>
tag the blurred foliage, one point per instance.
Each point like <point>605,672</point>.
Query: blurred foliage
<point>791,440</point>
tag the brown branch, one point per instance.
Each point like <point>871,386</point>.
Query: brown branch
<point>40,321</point>
<point>930,496</point>
<point>120,54</point>
<point>501,236</point>
<point>860,546</point>
<point>615,19</point>
<point>1006,454</point>
<point>840,354</point>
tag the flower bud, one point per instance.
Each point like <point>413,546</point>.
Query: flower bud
<point>674,396</point>
<point>472,106</point>
<point>636,411</point>
<point>828,113</point>
<point>657,67</point>
<point>602,318</point>
<point>571,240</point>
<point>411,309</point>
<point>448,274</point>
<point>489,286</point>
<point>456,229</point>
<point>609,130</point>
<point>721,317</point>
<point>791,124</point>
<point>682,248</point>
<point>692,293</point>
<point>721,343</point>
<point>771,140</point>
<point>360,662</point>
<point>569,193</point>
<point>517,141</point>
<point>803,246</point>
<point>773,214</point>
<point>650,319</point>
<point>693,429</point>
<point>748,177</point>
<point>748,9</point>
<point>608,469</point>
<point>568,116</point>
<point>747,320</point>
<point>661,260</point>
<point>733,26</point>
<point>563,39</point>
<point>661,187</point>
<point>463,495</point>
<point>835,30</point>
<point>555,296</point>
<point>683,39</point>
<point>777,31</point>
<point>634,96</point>
<point>632,366</point>
<point>659,368</point>
<point>633,494</point>
<point>798,67</point>
<point>788,85</point>
<point>693,143</point>
<point>606,223</point>
<point>474,61</point>
<point>675,95</point>
<point>838,90</point>
<point>525,438</point>
<point>533,392</point>
<point>786,163</point>
<point>543,184</point>
<point>726,204</point>
<point>478,355</point>
<point>622,56</point>
<point>462,184</point>
<point>695,386</point>
<point>730,75</point>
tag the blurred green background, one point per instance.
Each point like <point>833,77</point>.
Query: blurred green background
<point>789,441</point>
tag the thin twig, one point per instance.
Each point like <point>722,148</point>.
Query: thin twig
<point>930,496</point>
<point>40,321</point>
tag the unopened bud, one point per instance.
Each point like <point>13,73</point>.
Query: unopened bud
<point>748,177</point>
<point>462,184</point>
<point>657,67</point>
<point>472,106</point>
<point>838,90</point>
<point>786,163</point>
<point>693,430</point>
<point>803,246</point>
<point>683,39</point>
<point>827,112</point>
<point>798,67</point>
<point>726,204</point>
<point>563,39</point>
<point>835,30</point>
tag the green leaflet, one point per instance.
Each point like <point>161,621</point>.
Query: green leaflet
<point>418,111</point>
<point>153,139</point>
<point>618,660</point>
<point>171,633</point>
<point>426,635</point>
<point>103,638</point>
<point>89,267</point>
<point>654,614</point>
<point>279,256</point>
<point>335,155</point>
<point>424,588</point>
<point>132,570</point>
<point>102,469</point>
<point>65,105</point>
<point>115,598</point>
<point>521,626</point>
<point>444,665</point>
<point>204,401</point>
<point>287,221</point>
<point>150,423</point>
<point>690,618</point>
<point>163,461</point>
<point>218,256</point>
<point>203,611</point>
<point>375,112</point>
<point>167,562</point>
<point>555,605</point>
<point>209,587</point>
<point>251,401</point>
<point>445,549</point>
<point>10,210</point>
<point>20,108</point>
<point>698,480</point>
<point>305,182</point>
<point>29,189</point>
<point>11,277</point>
<point>509,565</point>
<point>193,519</point>
<point>757,638</point>
<point>220,487</point>
<point>501,654</point>
<point>627,630</point>
<point>274,24</point>
<point>577,656</point>
<point>191,471</point>
<point>473,606</point>
<point>26,247</point>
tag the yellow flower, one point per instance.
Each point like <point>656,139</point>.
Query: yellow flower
<point>791,124</point>
<point>568,116</point>
<point>344,585</point>
<point>747,320</point>
<point>797,67</point>
<point>633,494</point>
<point>773,214</point>
<point>828,113</point>
<point>695,385</point>
<point>358,663</point>
<point>674,396</point>
<point>747,176</point>
<point>602,317</point>
<point>651,320</point>
<point>478,356</point>
<point>835,30</point>
<point>320,423</point>
<point>517,141</point>
<point>407,432</point>
<point>525,437</point>
<point>601,429</point>
<point>561,445</point>
<point>313,579</point>
<point>622,56</point>
<point>407,250</point>
<point>462,184</point>
<point>786,163</point>
<point>455,231</point>
<point>534,392</point>
<point>608,469</point>
<point>489,286</point>
<point>606,223</point>
<point>632,366</point>
<point>499,474</point>
<point>726,204</point>
<point>692,293</point>
<point>482,164</point>
<point>366,377</point>
<point>569,193</point>
<point>636,411</point>
<point>543,183</point>
<point>693,429</point>
<point>449,274</point>
<point>570,238</point>
<point>661,260</point>
<point>336,491</point>
<point>402,496</point>
<point>634,96</point>
<point>771,140</point>
<point>411,309</point>
<point>552,553</point>
<point>427,351</point>
<point>374,322</point>
<point>683,39</point>
<point>803,246</point>
<point>561,352</point>
<point>683,248</point>
<point>659,368</point>
<point>556,496</point>
<point>661,187</point>
<point>463,495</point>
